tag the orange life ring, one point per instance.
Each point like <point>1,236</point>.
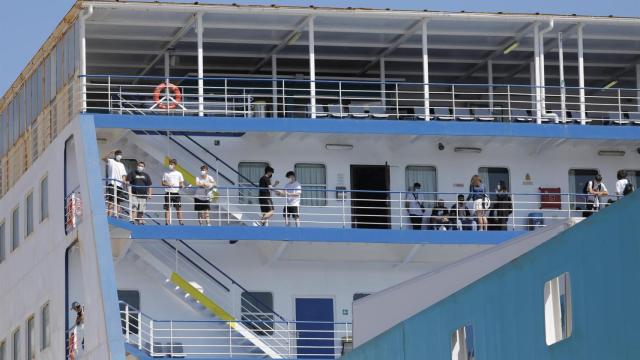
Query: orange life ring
<point>177,96</point>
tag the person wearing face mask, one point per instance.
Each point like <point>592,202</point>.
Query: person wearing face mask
<point>264,193</point>
<point>173,181</point>
<point>116,179</point>
<point>415,206</point>
<point>140,185</point>
<point>292,192</point>
<point>205,184</point>
<point>503,206</point>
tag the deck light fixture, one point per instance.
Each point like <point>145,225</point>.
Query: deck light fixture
<point>339,147</point>
<point>511,47</point>
<point>467,150</point>
<point>611,84</point>
<point>611,152</point>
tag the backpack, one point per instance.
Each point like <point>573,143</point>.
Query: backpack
<point>628,189</point>
<point>585,189</point>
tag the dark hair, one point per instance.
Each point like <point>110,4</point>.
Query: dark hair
<point>460,197</point>
<point>141,163</point>
<point>117,152</point>
<point>598,177</point>
<point>417,184</point>
<point>290,173</point>
<point>204,167</point>
<point>621,174</point>
<point>268,169</point>
<point>173,161</point>
<point>503,185</point>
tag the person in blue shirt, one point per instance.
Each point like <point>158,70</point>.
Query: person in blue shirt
<point>477,194</point>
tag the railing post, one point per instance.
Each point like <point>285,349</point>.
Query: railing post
<point>284,100</point>
<point>129,206</point>
<point>139,330</point>
<point>619,108</point>
<point>169,208</point>
<point>397,103</point>
<point>569,205</point>
<point>513,213</point>
<point>171,337</point>
<point>344,213</point>
<point>226,99</point>
<point>230,343</point>
<point>152,349</point>
<point>340,96</point>
<point>509,103</point>
<point>109,92</point>
<point>126,323</point>
<point>116,201</point>
<point>400,207</point>
<point>228,205</point>
<point>453,101</point>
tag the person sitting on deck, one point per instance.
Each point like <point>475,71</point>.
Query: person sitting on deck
<point>439,216</point>
<point>460,216</point>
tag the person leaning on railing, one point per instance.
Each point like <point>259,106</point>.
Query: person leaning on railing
<point>116,179</point>
<point>595,190</point>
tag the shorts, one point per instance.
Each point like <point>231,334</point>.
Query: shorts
<point>266,204</point>
<point>291,211</point>
<point>478,205</point>
<point>201,205</point>
<point>119,192</point>
<point>139,203</point>
<point>172,199</point>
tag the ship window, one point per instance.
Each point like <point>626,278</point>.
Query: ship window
<point>31,339</point>
<point>15,229</point>
<point>29,214</point>
<point>2,244</point>
<point>256,310</point>
<point>557,309</point>
<point>15,339</point>
<point>426,176</point>
<point>577,180</point>
<point>250,172</point>
<point>131,297</point>
<point>313,178</point>
<point>462,344</point>
<point>45,328</point>
<point>44,198</point>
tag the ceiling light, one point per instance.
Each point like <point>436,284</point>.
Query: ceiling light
<point>511,47</point>
<point>611,153</point>
<point>468,150</point>
<point>611,84</point>
<point>339,147</point>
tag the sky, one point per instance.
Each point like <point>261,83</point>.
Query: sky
<point>26,24</point>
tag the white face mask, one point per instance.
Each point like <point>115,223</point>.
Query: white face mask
<point>171,166</point>
<point>118,157</point>
<point>203,172</point>
<point>140,168</point>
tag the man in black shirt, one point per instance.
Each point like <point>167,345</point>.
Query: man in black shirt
<point>264,193</point>
<point>140,183</point>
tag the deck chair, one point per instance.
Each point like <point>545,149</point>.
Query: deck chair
<point>464,114</point>
<point>443,114</point>
<point>520,115</point>
<point>420,113</point>
<point>378,112</point>
<point>484,114</point>
<point>320,111</point>
<point>357,112</point>
<point>618,119</point>
<point>337,111</point>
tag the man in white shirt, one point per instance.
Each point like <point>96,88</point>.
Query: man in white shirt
<point>205,185</point>
<point>116,180</point>
<point>292,192</point>
<point>415,206</point>
<point>173,181</point>
<point>621,184</point>
<point>596,190</point>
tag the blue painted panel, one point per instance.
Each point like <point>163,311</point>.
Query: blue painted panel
<point>506,307</point>
<point>315,340</point>
<point>340,235</point>
<point>352,126</point>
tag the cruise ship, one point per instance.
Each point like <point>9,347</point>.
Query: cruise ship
<point>206,181</point>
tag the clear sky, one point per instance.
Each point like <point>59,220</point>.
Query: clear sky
<point>25,24</point>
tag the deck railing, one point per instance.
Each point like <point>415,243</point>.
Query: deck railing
<point>260,97</point>
<point>362,209</point>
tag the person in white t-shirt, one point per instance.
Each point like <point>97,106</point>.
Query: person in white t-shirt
<point>205,185</point>
<point>621,183</point>
<point>173,181</point>
<point>415,206</point>
<point>596,191</point>
<point>116,180</point>
<point>292,192</point>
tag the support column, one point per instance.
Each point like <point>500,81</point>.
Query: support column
<point>490,82</point>
<point>199,30</point>
<point>583,108</point>
<point>563,92</point>
<point>536,50</point>
<point>274,86</point>
<point>543,82</point>
<point>312,68</point>
<point>383,84</point>
<point>425,70</point>
<point>167,75</point>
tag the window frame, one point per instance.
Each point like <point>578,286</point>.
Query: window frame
<point>15,228</point>
<point>30,339</point>
<point>250,194</point>
<point>305,200</point>
<point>45,326</point>
<point>472,340</point>
<point>565,305</point>
<point>429,198</point>
<point>44,210</point>
<point>576,195</point>
<point>15,344</point>
<point>29,225</point>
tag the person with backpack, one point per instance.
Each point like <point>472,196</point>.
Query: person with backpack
<point>595,190</point>
<point>503,207</point>
<point>415,206</point>
<point>624,187</point>
<point>478,195</point>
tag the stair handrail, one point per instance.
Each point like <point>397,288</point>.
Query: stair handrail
<point>199,158</point>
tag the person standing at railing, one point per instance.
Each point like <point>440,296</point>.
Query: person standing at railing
<point>116,175</point>
<point>477,194</point>
<point>595,190</point>
<point>140,185</point>
<point>503,206</point>
<point>624,187</point>
<point>79,323</point>
<point>205,185</point>
<point>415,206</point>
<point>292,192</point>
<point>264,194</point>
<point>173,181</point>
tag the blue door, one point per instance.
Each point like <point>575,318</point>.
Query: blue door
<point>314,317</point>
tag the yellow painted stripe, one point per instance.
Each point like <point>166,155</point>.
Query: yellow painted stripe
<point>214,308</point>
<point>188,177</point>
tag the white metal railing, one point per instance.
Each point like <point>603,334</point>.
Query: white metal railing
<point>378,209</point>
<point>73,210</point>
<point>260,97</point>
<point>176,338</point>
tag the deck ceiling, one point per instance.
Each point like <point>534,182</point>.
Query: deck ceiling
<point>124,38</point>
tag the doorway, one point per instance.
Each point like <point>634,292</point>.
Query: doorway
<point>314,325</point>
<point>370,197</point>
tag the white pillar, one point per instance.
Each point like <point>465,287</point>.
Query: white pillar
<point>536,51</point>
<point>83,57</point>
<point>563,99</point>
<point>543,90</point>
<point>637,116</point>
<point>199,30</point>
<point>383,83</point>
<point>490,82</point>
<point>167,59</point>
<point>583,109</point>
<point>532,82</point>
<point>312,68</point>
<point>425,69</point>
<point>274,86</point>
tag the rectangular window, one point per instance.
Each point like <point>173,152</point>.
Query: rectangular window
<point>557,309</point>
<point>462,344</point>
<point>15,229</point>
<point>29,214</point>
<point>2,242</point>
<point>578,178</point>
<point>45,329</point>
<point>250,172</point>
<point>313,178</point>
<point>492,176</point>
<point>15,340</point>
<point>426,177</point>
<point>31,338</point>
<point>44,198</point>
<point>256,309</point>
